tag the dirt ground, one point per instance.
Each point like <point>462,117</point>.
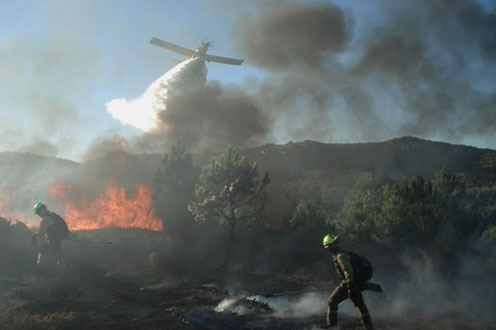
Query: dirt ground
<point>136,295</point>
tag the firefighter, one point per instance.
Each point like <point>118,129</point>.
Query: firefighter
<point>350,286</point>
<point>53,229</point>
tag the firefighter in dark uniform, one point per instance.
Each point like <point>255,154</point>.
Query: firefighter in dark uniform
<point>53,229</point>
<point>348,288</point>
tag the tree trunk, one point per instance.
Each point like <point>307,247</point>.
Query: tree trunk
<point>229,249</point>
<point>230,240</point>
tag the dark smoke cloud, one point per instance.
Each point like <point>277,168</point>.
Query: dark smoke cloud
<point>292,34</point>
<point>479,26</point>
<point>431,53</point>
<point>211,117</point>
<point>111,143</point>
<point>419,68</point>
<point>206,117</point>
<point>184,108</point>
<point>391,53</point>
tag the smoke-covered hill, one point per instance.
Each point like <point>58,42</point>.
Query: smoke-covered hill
<point>153,275</point>
<point>27,163</point>
<point>402,157</point>
<point>25,178</point>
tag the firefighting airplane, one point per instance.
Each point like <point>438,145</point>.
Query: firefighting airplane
<point>199,52</point>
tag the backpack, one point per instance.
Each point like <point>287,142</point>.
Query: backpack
<point>60,228</point>
<point>362,267</point>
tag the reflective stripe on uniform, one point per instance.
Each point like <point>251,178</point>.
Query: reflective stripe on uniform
<point>344,262</point>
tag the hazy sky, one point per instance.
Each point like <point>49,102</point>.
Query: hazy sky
<point>61,61</point>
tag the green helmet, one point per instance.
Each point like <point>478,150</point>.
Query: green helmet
<point>330,239</point>
<point>38,207</point>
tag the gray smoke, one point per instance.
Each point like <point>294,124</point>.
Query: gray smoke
<point>182,107</point>
<point>419,68</point>
<point>420,291</point>
<point>292,34</point>
<point>142,112</point>
<point>211,117</point>
<point>40,115</point>
<point>416,292</point>
<point>41,148</point>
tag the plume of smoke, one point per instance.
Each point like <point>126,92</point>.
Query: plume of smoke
<point>37,111</point>
<point>107,144</point>
<point>334,79</point>
<point>210,117</point>
<point>419,68</point>
<point>301,306</point>
<point>181,107</point>
<point>142,112</point>
<point>292,34</point>
<point>230,304</point>
<point>421,292</point>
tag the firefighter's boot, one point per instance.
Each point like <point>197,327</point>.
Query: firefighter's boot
<point>332,318</point>
<point>366,322</point>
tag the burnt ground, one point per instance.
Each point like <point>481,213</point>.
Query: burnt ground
<point>128,293</point>
<point>116,302</point>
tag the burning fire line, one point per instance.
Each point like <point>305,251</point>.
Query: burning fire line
<point>113,208</point>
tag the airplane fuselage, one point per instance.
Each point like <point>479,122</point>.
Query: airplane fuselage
<point>202,50</point>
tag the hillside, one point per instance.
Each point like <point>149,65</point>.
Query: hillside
<point>402,157</point>
<point>130,278</point>
<point>306,167</point>
<point>24,179</point>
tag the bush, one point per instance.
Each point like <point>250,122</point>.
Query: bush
<point>426,215</point>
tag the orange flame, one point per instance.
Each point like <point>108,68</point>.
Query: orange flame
<point>113,208</point>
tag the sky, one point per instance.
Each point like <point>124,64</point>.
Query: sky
<point>68,58</point>
<point>331,71</point>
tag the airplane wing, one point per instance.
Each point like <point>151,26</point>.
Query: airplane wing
<point>225,60</point>
<point>172,47</point>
